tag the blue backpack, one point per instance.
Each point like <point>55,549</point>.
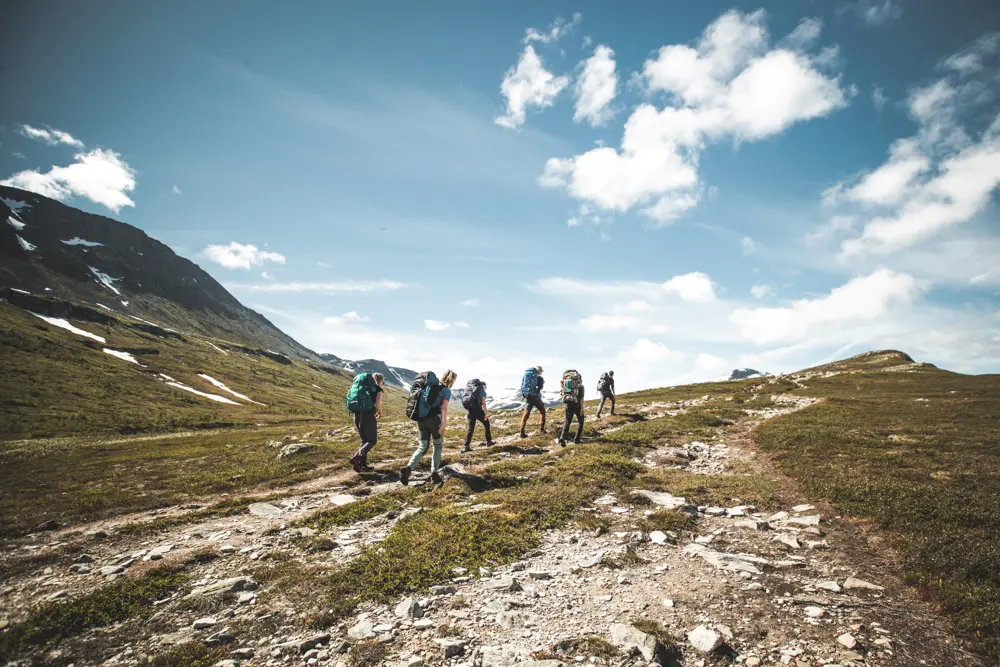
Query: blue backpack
<point>529,383</point>
<point>425,397</point>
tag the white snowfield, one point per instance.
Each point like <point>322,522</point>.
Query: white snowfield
<point>14,289</point>
<point>63,324</point>
<point>212,397</point>
<point>226,389</point>
<point>16,224</point>
<point>217,347</point>
<point>15,205</point>
<point>122,355</point>
<point>104,307</point>
<point>105,280</point>
<point>76,240</point>
<point>24,244</point>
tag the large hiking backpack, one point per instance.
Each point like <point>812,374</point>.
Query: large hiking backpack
<point>473,393</point>
<point>425,397</point>
<point>361,395</point>
<point>529,383</point>
<point>604,382</point>
<point>572,387</point>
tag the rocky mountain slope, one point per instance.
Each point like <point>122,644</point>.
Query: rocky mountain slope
<point>400,378</point>
<point>49,248</point>
<point>746,373</point>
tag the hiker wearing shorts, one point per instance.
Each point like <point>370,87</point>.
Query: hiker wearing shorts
<point>365,419</point>
<point>571,389</point>
<point>531,392</point>
<point>474,401</point>
<point>606,387</point>
<point>432,427</point>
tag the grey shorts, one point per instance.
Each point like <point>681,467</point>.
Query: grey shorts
<point>529,402</point>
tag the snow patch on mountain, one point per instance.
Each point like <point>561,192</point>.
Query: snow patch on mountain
<point>212,397</point>
<point>106,280</point>
<point>127,356</point>
<point>24,244</point>
<point>16,224</point>
<point>219,385</point>
<point>64,324</point>
<point>15,205</point>
<point>76,240</point>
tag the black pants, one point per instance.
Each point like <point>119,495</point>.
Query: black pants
<point>367,427</point>
<point>572,410</point>
<point>604,397</point>
<point>477,415</point>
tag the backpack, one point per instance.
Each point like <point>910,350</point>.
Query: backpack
<point>361,395</point>
<point>473,393</point>
<point>529,383</point>
<point>572,387</point>
<point>425,397</point>
<point>604,382</point>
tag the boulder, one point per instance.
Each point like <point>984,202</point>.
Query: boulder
<point>630,637</point>
<point>503,656</point>
<point>265,510</point>
<point>658,537</point>
<point>203,623</point>
<point>705,639</point>
<point>452,647</point>
<point>409,608</point>
<point>363,629</point>
<point>847,640</point>
<point>295,448</point>
<point>223,586</point>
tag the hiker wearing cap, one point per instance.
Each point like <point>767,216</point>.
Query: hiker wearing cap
<point>364,399</point>
<point>428,406</point>
<point>531,392</point>
<point>474,401</point>
<point>571,390</point>
<point>606,387</point>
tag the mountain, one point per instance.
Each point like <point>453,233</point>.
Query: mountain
<point>394,376</point>
<point>746,374</point>
<point>48,248</point>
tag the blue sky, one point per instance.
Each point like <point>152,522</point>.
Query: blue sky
<point>670,192</point>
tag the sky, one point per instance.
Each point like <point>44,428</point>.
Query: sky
<point>670,192</point>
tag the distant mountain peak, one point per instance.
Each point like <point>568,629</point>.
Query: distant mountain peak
<point>746,373</point>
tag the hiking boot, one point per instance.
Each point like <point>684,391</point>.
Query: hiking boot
<point>561,442</point>
<point>355,463</point>
<point>404,476</point>
<point>436,478</point>
<point>523,434</point>
<point>491,444</point>
<point>542,430</point>
<point>467,450</point>
<point>577,441</point>
<point>365,467</point>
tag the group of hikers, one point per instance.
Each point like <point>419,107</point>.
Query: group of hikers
<point>428,406</point>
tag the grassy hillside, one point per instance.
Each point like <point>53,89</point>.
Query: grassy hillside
<point>917,451</point>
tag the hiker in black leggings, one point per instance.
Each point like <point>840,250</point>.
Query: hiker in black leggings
<point>477,413</point>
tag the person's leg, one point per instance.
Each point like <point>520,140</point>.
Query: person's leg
<point>369,436</point>
<point>579,423</point>
<point>612,404</point>
<point>541,409</point>
<point>600,407</point>
<point>524,418</point>
<point>565,428</point>
<point>436,456</point>
<point>489,433</point>
<point>471,430</point>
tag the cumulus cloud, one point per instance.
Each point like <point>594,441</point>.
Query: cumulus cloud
<point>596,87</point>
<point>878,12</point>
<point>645,351</point>
<point>730,85</point>
<point>943,175</point>
<point>861,299</point>
<point>51,136</point>
<point>761,291</point>
<point>691,287</point>
<point>347,286</point>
<point>559,29</point>
<point>438,325</point>
<point>351,317</point>
<point>528,84</point>
<point>240,256</point>
<point>99,175</point>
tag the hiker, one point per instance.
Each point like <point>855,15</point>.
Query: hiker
<point>531,391</point>
<point>428,406</point>
<point>606,387</point>
<point>571,389</point>
<point>474,401</point>
<point>364,399</point>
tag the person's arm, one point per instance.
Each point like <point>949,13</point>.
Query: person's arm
<point>378,405</point>
<point>612,386</point>
<point>486,416</point>
<point>444,416</point>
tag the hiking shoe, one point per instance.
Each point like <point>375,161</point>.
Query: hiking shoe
<point>436,478</point>
<point>467,450</point>
<point>523,434</point>
<point>577,441</point>
<point>561,443</point>
<point>355,463</point>
<point>491,444</point>
<point>404,476</point>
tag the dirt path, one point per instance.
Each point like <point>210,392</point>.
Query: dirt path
<point>753,585</point>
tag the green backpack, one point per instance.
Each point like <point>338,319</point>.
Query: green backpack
<point>361,395</point>
<point>572,387</point>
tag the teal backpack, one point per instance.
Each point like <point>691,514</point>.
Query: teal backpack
<point>361,395</point>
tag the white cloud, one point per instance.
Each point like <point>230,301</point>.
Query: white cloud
<point>970,61</point>
<point>19,156</point>
<point>709,363</point>
<point>861,299</point>
<point>888,184</point>
<point>748,245</point>
<point>878,98</point>
<point>240,256</point>
<point>836,226</point>
<point>328,288</point>
<point>175,190</point>
<point>730,86</point>
<point>98,175</point>
<point>602,323</point>
<point>559,29</point>
<point>645,351</point>
<point>596,87</point>
<point>528,84</point>
<point>761,291</point>
<point>878,12</point>
<point>468,303</point>
<point>51,136</point>
<point>438,325</point>
<point>637,306</point>
<point>691,287</point>
<point>351,317</point>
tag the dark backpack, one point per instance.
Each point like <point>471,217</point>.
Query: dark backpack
<point>529,383</point>
<point>361,395</point>
<point>604,382</point>
<point>473,393</point>
<point>572,387</point>
<point>425,397</point>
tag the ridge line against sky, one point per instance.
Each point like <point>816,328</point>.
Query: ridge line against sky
<point>761,186</point>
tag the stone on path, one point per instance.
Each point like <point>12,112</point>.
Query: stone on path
<point>789,541</point>
<point>505,583</point>
<point>831,586</point>
<point>815,612</point>
<point>265,510</point>
<point>853,584</point>
<point>631,637</point>
<point>452,647</point>
<point>295,448</point>
<point>662,499</point>
<point>748,523</point>
<point>203,623</point>
<point>847,640</point>
<point>811,520</point>
<point>363,629</point>
<point>341,499</point>
<point>704,639</point>
<point>778,516</point>
<point>158,552</point>
<point>233,585</point>
<point>658,537</point>
<point>409,608</point>
<point>443,590</point>
<point>539,574</point>
<point>503,656</point>
<point>516,620</point>
<point>803,508</point>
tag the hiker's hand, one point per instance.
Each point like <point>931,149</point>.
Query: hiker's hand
<point>486,418</point>
<point>444,427</point>
<point>378,414</point>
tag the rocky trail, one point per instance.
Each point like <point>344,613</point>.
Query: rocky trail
<point>745,585</point>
